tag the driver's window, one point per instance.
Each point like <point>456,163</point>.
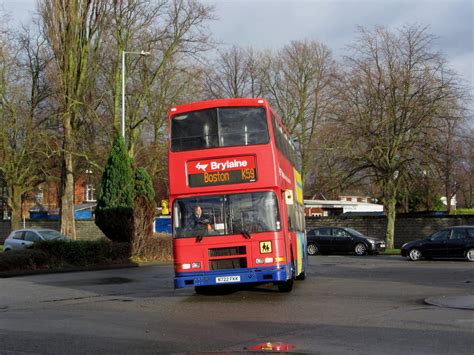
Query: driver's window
<point>458,234</point>
<point>443,235</point>
<point>31,237</point>
<point>339,233</point>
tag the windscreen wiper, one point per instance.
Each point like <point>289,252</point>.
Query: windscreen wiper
<point>246,234</point>
<point>199,238</point>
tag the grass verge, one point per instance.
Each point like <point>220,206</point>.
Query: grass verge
<point>390,252</point>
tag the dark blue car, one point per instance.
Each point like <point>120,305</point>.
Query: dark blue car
<point>341,240</point>
<point>453,242</point>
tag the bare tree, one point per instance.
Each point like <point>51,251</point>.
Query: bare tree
<point>446,151</point>
<point>236,72</point>
<point>73,31</point>
<point>393,88</point>
<point>297,81</point>
<point>23,91</point>
<point>170,31</point>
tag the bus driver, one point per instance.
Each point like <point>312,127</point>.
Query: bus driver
<point>199,221</point>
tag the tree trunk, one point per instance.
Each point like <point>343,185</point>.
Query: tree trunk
<point>67,183</point>
<point>14,202</point>
<point>449,195</point>
<point>391,215</point>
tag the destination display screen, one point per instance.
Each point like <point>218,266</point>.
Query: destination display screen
<point>222,171</point>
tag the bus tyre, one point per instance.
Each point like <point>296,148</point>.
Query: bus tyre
<point>202,290</point>
<point>285,286</point>
<point>312,249</point>
<point>301,276</point>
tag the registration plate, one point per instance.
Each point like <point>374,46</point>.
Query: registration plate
<point>224,279</point>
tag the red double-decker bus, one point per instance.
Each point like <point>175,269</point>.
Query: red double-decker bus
<point>236,196</point>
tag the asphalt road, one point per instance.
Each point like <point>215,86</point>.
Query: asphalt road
<point>347,304</point>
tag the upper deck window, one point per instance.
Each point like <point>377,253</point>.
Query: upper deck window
<point>219,127</point>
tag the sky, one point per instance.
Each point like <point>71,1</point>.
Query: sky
<point>271,24</point>
<point>274,23</point>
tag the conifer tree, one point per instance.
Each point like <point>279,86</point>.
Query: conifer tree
<point>114,212</point>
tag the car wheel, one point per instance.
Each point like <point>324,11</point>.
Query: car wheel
<point>414,254</point>
<point>470,254</point>
<point>312,249</point>
<point>360,249</point>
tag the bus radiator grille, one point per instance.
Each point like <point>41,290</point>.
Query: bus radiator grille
<point>222,264</point>
<point>227,251</point>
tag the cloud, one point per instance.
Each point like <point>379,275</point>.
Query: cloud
<point>271,24</point>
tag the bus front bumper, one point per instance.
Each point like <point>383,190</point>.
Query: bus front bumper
<point>231,277</point>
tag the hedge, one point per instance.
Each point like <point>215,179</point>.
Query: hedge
<point>65,254</point>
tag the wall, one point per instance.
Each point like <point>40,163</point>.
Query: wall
<point>407,227</point>
<point>85,228</point>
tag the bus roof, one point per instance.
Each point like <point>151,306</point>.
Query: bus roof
<point>201,105</point>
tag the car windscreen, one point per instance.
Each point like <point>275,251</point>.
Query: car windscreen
<point>219,127</point>
<point>226,214</point>
<point>52,235</point>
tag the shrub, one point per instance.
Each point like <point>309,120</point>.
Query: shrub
<point>144,185</point>
<point>84,253</point>
<point>143,211</point>
<point>157,248</point>
<point>114,211</point>
<point>26,259</point>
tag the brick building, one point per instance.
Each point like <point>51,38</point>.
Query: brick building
<point>45,197</point>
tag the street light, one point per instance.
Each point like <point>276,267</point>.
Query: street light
<point>143,54</point>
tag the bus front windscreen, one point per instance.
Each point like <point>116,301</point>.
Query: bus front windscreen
<point>219,127</point>
<point>226,214</point>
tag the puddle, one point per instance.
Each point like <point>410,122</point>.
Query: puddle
<point>90,282</point>
<point>272,346</point>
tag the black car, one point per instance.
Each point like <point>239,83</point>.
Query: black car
<point>453,242</point>
<point>341,240</point>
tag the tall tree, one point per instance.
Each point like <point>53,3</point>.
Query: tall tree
<point>73,31</point>
<point>446,153</point>
<point>297,82</point>
<point>23,90</point>
<point>235,73</point>
<point>169,30</point>
<point>394,85</point>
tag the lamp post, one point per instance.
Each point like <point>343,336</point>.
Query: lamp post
<point>143,54</point>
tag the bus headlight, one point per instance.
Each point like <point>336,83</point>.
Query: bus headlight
<point>194,265</point>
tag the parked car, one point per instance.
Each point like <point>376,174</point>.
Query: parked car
<point>22,238</point>
<point>453,242</point>
<point>341,240</point>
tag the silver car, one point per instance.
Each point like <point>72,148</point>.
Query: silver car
<point>22,238</point>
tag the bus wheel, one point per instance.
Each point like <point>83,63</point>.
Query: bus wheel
<point>203,290</point>
<point>301,276</point>
<point>285,286</point>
